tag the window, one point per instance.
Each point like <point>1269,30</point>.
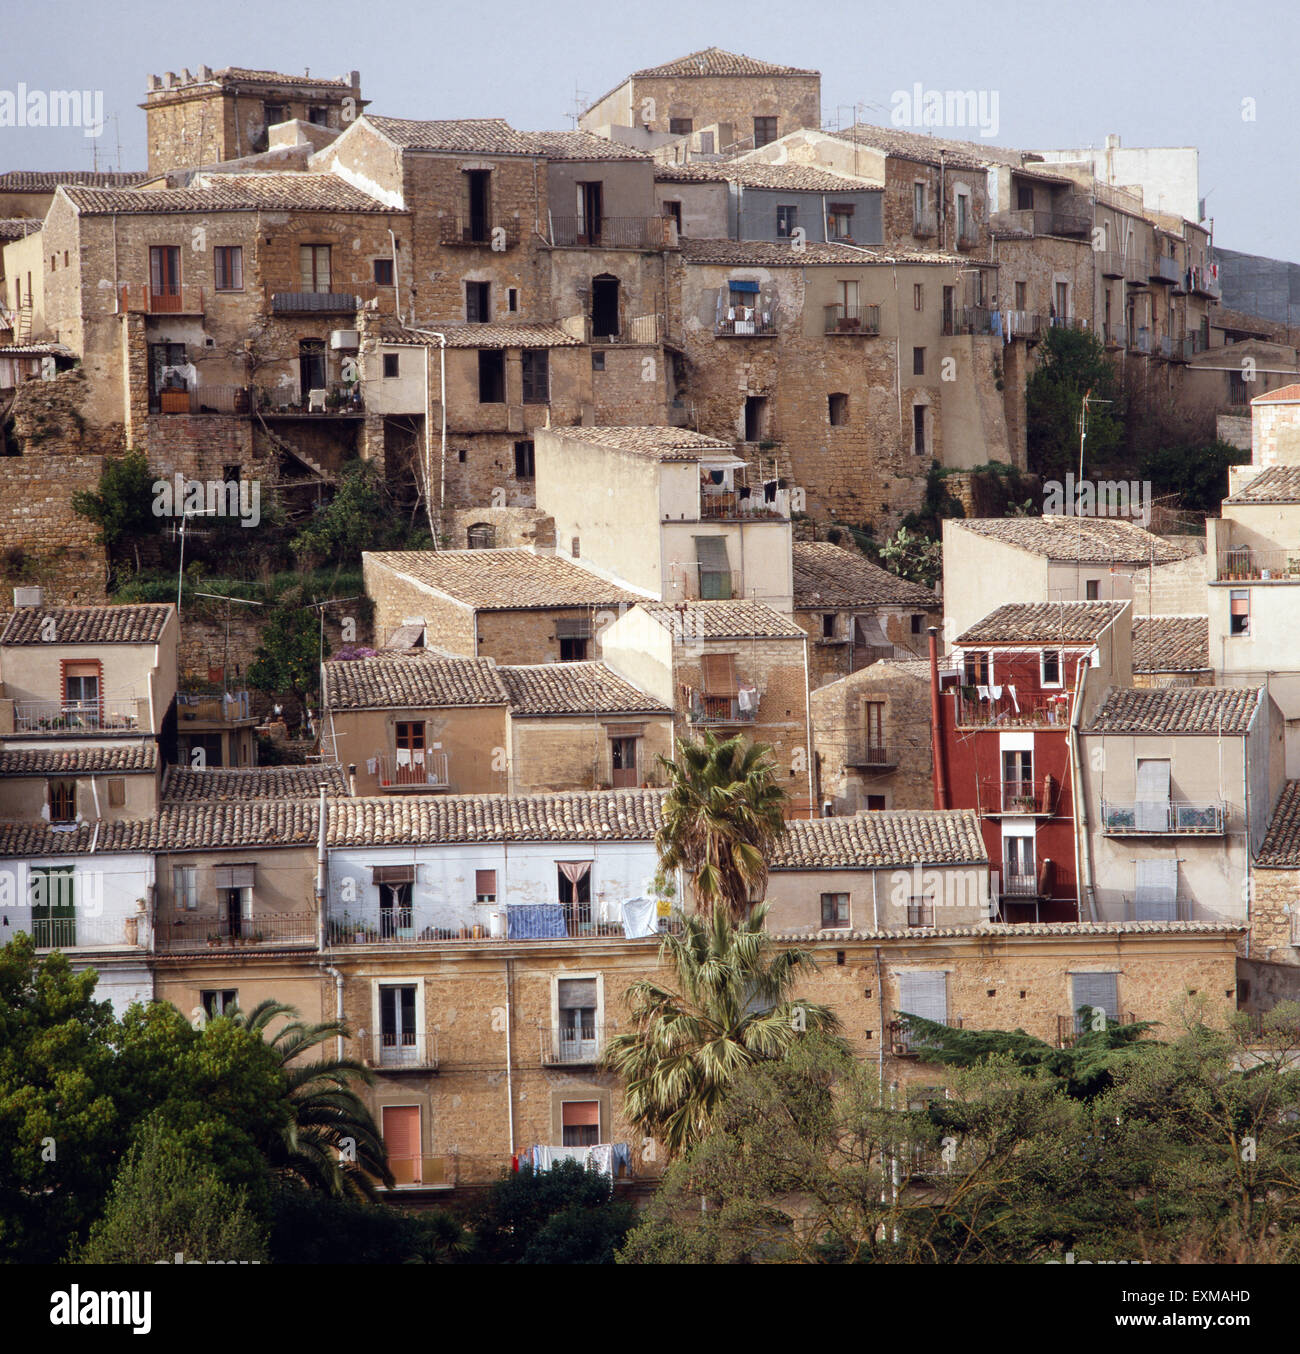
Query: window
<point>476,201</point>
<point>924,995</point>
<point>512,300</point>
<point>477,302</point>
<point>920,912</point>
<point>485,886</point>
<point>918,429</point>
<point>1024,197</point>
<point>839,221</point>
<point>764,131</point>
<point>524,461</point>
<point>314,267</point>
<point>622,757</point>
<point>1019,872</point>
<point>116,791</point>
<point>835,910</point>
<point>787,218</point>
<point>875,803</point>
<point>1092,589</point>
<point>918,361</point>
<point>673,211</point>
<point>397,1033</point>
<point>383,272</point>
<point>574,638</point>
<point>838,409</point>
<point>706,143</point>
<point>318,116</point>
<point>164,271</point>
<point>275,112</point>
<point>580,1123</point>
<point>408,743</point>
<point>219,1001</point>
<point>491,376</point>
<point>681,126</point>
<point>917,621</point>
<point>63,801</point>
<point>392,366</point>
<point>918,296</point>
<point>598,361</point>
<point>918,204</point>
<point>81,688</point>
<point>963,215</point>
<point>228,265</point>
<point>1239,609</point>
<point>828,625</point>
<point>536,368</point>
<point>755,418</point>
<point>185,887</point>
<point>1051,667</point>
<point>573,880</point>
<point>577,1003</point>
<point>396,886</point>
<point>1017,779</point>
<point>1021,296</point>
<point>1062,299</point>
<point>400,1125</point>
<point>1100,993</point>
<point>873,723</point>
<point>481,536</point>
<point>976,669</point>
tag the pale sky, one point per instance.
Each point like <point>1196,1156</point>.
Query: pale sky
<point>1158,73</point>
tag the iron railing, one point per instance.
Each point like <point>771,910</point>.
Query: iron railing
<point>1111,262</point>
<point>1070,1027</point>
<point>904,1041</point>
<point>729,506</point>
<point>757,325</point>
<point>418,772</point>
<point>1018,884</point>
<point>213,932</point>
<point>722,710</point>
<point>181,300</point>
<point>1242,563</point>
<point>422,1172</point>
<point>840,319</point>
<point>75,932</point>
<point>1031,710</point>
<point>478,231</point>
<point>868,754</point>
<point>339,399</point>
<point>925,223</point>
<point>115,714</point>
<point>405,1050</point>
<point>613,232</point>
<point>1167,269</point>
<point>1164,816</point>
<point>1021,796</point>
<point>572,1044</point>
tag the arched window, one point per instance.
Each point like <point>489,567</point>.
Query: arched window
<point>482,536</point>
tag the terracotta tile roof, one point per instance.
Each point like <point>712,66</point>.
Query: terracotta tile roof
<point>88,624</point>
<point>578,145</point>
<point>574,689</point>
<point>598,815</point>
<point>882,839</point>
<point>210,825</point>
<point>924,149</point>
<point>658,443</point>
<point>1043,622</point>
<point>18,227</point>
<point>487,136</point>
<point>830,575</point>
<point>412,680</point>
<point>1281,846</point>
<point>120,759</point>
<point>794,178</point>
<point>710,61</point>
<point>773,254</point>
<point>1076,930</point>
<point>1277,484</point>
<point>723,620</point>
<point>496,334</point>
<point>232,193</point>
<point>1285,395</point>
<point>182,785</point>
<point>46,181</point>
<point>513,579</point>
<point>230,74</point>
<point>1178,709</point>
<point>1171,643</point>
<point>1087,540</point>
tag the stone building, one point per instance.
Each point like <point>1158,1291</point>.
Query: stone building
<point>720,101</point>
<point>211,116</point>
<point>855,612</point>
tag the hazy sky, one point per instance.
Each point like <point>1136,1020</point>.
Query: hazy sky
<point>1159,74</point>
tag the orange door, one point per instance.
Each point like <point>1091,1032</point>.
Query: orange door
<point>401,1125</point>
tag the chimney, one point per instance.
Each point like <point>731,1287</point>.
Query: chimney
<point>936,726</point>
<point>153,83</point>
<point>1112,141</point>
<point>205,73</point>
<point>352,780</point>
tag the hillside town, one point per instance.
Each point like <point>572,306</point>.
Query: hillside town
<point>406,525</point>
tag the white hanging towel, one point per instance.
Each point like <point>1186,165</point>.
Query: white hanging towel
<point>640,918</point>
<point>982,692</point>
<point>1011,691</point>
<point>996,692</point>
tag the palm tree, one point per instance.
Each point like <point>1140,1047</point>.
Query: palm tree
<point>721,817</point>
<point>325,1113</point>
<point>732,1008</point>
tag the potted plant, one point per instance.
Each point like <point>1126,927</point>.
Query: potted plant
<point>213,940</point>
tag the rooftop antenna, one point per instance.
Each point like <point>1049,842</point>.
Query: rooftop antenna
<point>579,95</point>
<point>1083,424</point>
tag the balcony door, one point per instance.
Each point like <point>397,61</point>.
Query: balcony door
<point>1019,867</point>
<point>622,753</point>
<point>311,367</point>
<point>397,1041</point>
<point>82,691</point>
<point>165,269</point>
<point>478,203</point>
<point>1017,780</point>
<point>401,1130</point>
<point>577,1006</point>
<point>591,210</point>
<point>54,914</point>
<point>604,306</point>
<point>574,883</point>
<point>1151,810</point>
<point>409,739</point>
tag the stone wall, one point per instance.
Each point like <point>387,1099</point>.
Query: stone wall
<point>41,539</point>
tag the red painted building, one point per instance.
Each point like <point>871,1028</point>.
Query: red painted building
<point>1006,742</point>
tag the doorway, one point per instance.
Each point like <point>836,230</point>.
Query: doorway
<point>311,367</point>
<point>604,306</point>
<point>591,208</point>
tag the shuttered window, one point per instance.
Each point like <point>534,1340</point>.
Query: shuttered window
<point>1153,794</point>
<point>1157,890</point>
<point>1100,991</point>
<point>719,674</point>
<point>485,886</point>
<point>925,995</point>
<point>577,994</point>
<point>233,877</point>
<point>392,874</point>
<point>580,1122</point>
<point>185,887</point>
<point>715,569</point>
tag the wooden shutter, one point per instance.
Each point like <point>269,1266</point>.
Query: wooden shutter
<point>1157,890</point>
<point>580,1113</point>
<point>233,876</point>
<point>1098,990</point>
<point>925,995</point>
<point>401,1129</point>
<point>485,883</point>
<point>719,674</point>
<point>1153,794</point>
<point>392,874</point>
<point>117,791</point>
<point>577,994</point>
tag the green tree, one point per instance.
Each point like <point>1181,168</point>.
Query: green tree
<point>1196,472</point>
<point>356,518</point>
<point>564,1216</point>
<point>310,1228</point>
<point>166,1201</point>
<point>913,556</point>
<point>122,505</point>
<point>329,1140</point>
<point>722,816</point>
<point>287,659</point>
<point>732,1006</point>
<point>1072,363</point>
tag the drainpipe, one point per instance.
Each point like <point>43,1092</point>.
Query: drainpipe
<point>442,475</point>
<point>338,1002</point>
<point>352,779</point>
<point>875,905</point>
<point>807,709</point>
<point>936,726</point>
<point>94,792</point>
<point>1082,842</point>
<point>510,1078</point>
<point>397,281</point>
<point>322,866</point>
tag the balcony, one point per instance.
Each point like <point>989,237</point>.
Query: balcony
<point>409,1051</point>
<point>904,1043</point>
<point>1136,270</point>
<point>572,1045</point>
<point>749,323</point>
<point>1026,222</point>
<point>925,224</point>
<point>727,505</point>
<point>870,756</point>
<point>1164,817</point>
<point>478,232</point>
<point>212,707</point>
<point>234,400</point>
<point>1030,711</point>
<point>968,236</point>
<point>112,715</point>
<point>1110,262</point>
<point>840,319</point>
<point>723,710</point>
<point>920,912</point>
<point>1167,347</point>
<point>296,930</point>
<point>427,771</point>
<point>613,232</point>
<point>976,320</point>
<point>1166,270</point>
<point>1115,335</point>
<point>329,401</point>
<point>1070,1027</point>
<point>1067,322</point>
<point>1205,284</point>
<point>709,585</point>
<point>1139,340</point>
<point>182,300</point>
<point>421,1172</point>
<point>1040,798</point>
<point>82,932</point>
<point>1025,324</point>
<point>1018,884</point>
<point>1243,564</point>
<point>314,303</point>
<point>413,926</point>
